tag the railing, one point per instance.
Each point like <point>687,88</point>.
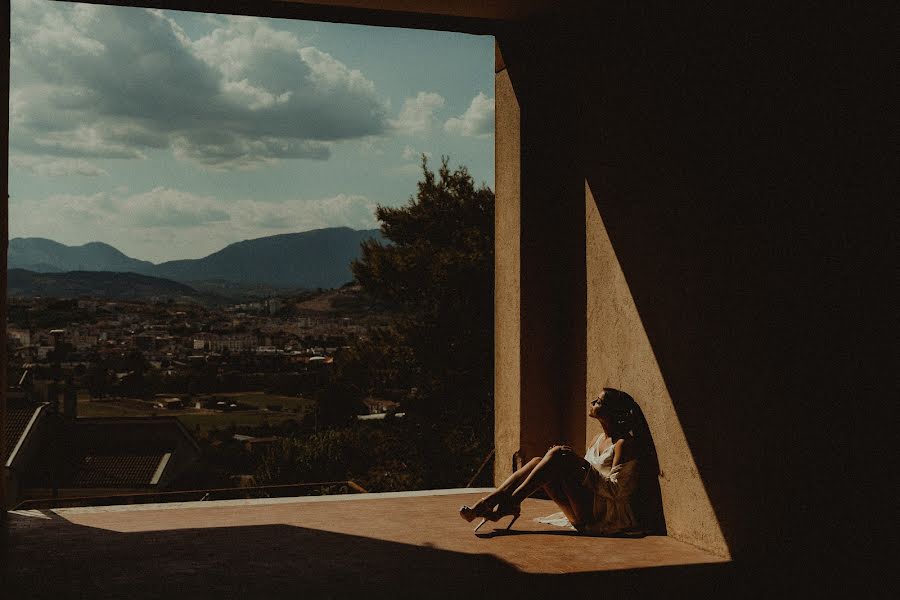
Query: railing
<point>484,463</point>
<point>325,488</point>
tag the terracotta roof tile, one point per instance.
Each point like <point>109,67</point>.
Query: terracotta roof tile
<point>17,419</point>
<point>123,470</point>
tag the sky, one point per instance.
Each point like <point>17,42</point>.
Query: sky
<point>171,134</point>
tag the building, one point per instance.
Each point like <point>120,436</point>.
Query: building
<point>23,420</point>
<point>22,337</point>
<point>682,212</point>
<point>56,455</point>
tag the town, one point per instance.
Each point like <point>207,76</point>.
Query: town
<point>137,396</point>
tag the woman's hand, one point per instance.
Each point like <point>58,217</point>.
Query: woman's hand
<point>562,448</point>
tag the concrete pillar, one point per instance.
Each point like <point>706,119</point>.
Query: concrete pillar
<point>540,261</point>
<point>566,322</point>
<point>507,309</point>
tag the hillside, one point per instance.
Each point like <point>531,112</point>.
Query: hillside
<point>310,259</point>
<point>97,284</point>
<point>43,255</point>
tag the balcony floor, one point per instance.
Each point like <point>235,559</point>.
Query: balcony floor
<point>391,545</point>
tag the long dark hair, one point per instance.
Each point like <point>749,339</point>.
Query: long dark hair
<point>628,418</point>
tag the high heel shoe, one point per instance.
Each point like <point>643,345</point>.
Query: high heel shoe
<point>505,508</point>
<point>471,513</point>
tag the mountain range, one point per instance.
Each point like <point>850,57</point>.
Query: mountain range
<point>105,284</point>
<point>311,259</point>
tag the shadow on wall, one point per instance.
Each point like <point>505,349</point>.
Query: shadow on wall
<point>58,559</point>
<point>648,506</point>
<point>697,148</point>
<point>701,133</point>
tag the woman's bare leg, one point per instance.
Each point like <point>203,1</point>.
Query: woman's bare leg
<point>580,501</point>
<point>505,488</point>
<point>556,465</point>
<point>558,494</point>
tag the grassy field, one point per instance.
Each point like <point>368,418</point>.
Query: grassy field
<point>112,409</point>
<point>118,408</point>
<point>262,400</point>
<point>293,409</point>
<point>210,421</point>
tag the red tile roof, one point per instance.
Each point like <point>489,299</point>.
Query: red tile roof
<point>123,470</point>
<point>17,419</point>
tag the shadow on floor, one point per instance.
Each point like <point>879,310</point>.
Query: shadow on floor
<point>53,558</point>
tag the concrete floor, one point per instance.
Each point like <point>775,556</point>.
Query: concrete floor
<point>377,545</point>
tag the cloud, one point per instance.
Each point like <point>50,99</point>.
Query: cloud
<point>167,224</point>
<point>417,114</point>
<point>357,212</point>
<point>477,121</point>
<point>115,82</point>
<point>54,167</point>
<point>165,207</point>
<point>410,154</point>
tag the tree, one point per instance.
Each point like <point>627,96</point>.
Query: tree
<point>438,272</point>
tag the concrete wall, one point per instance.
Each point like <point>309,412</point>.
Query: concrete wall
<point>719,269</point>
<point>566,322</point>
<point>507,308</point>
<point>539,379</point>
<point>620,355</point>
<point>678,218</point>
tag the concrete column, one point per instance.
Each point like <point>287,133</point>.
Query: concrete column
<point>540,261</point>
<point>507,308</point>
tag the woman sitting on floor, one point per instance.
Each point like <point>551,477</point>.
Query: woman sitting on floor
<point>595,493</point>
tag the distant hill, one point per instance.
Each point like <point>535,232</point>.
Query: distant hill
<point>43,255</point>
<point>97,284</point>
<point>311,259</point>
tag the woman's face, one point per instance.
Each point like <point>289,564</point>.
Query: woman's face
<point>596,407</point>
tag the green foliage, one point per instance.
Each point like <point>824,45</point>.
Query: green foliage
<point>378,456</point>
<point>337,403</point>
<point>439,272</point>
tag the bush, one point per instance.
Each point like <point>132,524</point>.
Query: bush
<point>378,456</point>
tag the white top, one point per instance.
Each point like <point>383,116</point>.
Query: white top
<point>602,461</point>
<point>612,487</point>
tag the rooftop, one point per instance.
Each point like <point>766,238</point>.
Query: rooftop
<point>397,544</point>
<point>18,419</point>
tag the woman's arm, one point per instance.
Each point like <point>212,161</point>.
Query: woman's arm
<point>624,451</point>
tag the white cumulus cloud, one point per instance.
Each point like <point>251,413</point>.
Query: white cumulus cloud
<point>477,121</point>
<point>409,153</point>
<point>417,114</point>
<point>114,82</point>
<point>166,207</point>
<point>342,210</point>
<point>55,167</point>
<point>167,224</point>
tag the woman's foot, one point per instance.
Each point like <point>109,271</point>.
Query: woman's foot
<point>481,509</point>
<point>505,507</point>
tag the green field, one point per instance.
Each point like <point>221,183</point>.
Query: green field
<point>262,400</point>
<point>111,409</point>
<point>293,409</point>
<point>210,421</point>
<point>118,408</point>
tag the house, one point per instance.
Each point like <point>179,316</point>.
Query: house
<point>53,454</point>
<point>172,403</point>
<point>252,443</point>
<point>23,419</point>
